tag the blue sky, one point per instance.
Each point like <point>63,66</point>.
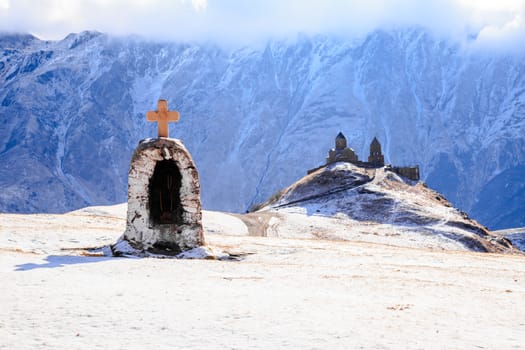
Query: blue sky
<point>495,23</point>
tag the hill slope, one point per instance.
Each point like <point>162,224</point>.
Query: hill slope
<point>346,202</point>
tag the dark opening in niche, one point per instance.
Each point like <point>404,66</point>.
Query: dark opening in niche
<point>164,194</point>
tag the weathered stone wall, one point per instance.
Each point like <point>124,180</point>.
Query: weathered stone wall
<point>341,155</point>
<point>141,232</point>
<point>411,173</point>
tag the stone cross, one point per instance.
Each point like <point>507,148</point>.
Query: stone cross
<point>162,116</point>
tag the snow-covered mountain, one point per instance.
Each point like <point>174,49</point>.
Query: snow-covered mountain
<point>255,119</point>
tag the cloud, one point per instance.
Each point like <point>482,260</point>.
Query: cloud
<point>498,25</point>
<point>495,24</point>
<point>199,5</point>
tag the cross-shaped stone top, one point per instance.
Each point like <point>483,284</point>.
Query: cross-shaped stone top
<point>162,116</point>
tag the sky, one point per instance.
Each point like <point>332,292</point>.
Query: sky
<point>496,24</point>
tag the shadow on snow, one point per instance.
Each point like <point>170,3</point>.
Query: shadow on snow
<point>53,261</point>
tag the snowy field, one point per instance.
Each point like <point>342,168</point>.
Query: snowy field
<point>284,293</point>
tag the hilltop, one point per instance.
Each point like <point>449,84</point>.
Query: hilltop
<point>343,201</point>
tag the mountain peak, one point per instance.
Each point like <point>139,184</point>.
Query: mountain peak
<point>11,40</point>
<point>77,39</point>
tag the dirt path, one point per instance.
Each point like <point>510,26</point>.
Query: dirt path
<point>257,223</point>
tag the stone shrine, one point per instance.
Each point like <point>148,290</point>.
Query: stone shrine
<point>164,208</point>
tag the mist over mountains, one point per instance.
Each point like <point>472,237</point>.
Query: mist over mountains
<point>255,119</point>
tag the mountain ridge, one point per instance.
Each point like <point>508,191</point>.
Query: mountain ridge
<point>254,119</point>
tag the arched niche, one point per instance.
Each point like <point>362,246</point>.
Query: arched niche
<point>164,194</point>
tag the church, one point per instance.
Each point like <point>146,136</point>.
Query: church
<point>376,159</point>
<point>341,153</point>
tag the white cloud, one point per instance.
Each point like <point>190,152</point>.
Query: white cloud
<point>495,23</point>
<point>4,5</point>
<point>199,5</point>
<point>498,24</point>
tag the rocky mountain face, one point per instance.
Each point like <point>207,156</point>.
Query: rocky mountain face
<point>254,119</point>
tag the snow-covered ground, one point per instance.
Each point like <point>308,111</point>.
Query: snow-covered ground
<point>285,293</point>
